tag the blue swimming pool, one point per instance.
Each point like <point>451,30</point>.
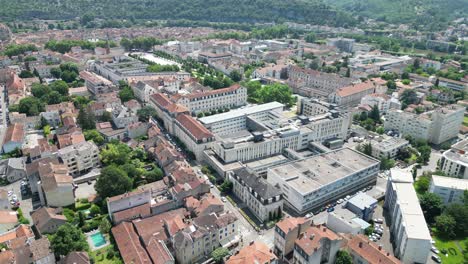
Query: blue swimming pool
<point>98,239</point>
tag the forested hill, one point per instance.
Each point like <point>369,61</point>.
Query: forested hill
<point>302,11</point>
<point>420,13</point>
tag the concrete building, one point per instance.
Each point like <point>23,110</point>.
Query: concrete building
<point>435,126</point>
<point>383,102</point>
<point>351,95</point>
<point>363,251</point>
<point>201,102</point>
<point>408,229</point>
<point>96,84</point>
<point>454,162</point>
<point>453,84</point>
<point>343,220</point>
<point>52,117</point>
<point>286,233</point>
<point>343,44</point>
<point>313,182</point>
<point>80,158</point>
<point>362,205</point>
<point>451,190</point>
<point>143,91</point>
<point>194,135</point>
<point>317,244</point>
<point>387,147</point>
<point>263,199</point>
<point>127,201</point>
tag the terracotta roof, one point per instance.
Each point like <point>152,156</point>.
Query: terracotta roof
<point>191,203</point>
<point>207,93</point>
<point>289,223</point>
<point>14,133</point>
<point>206,202</point>
<point>311,239</point>
<point>370,251</point>
<point>43,215</point>
<point>8,217</point>
<point>124,196</point>
<point>7,257</point>
<point>153,227</point>
<point>198,131</point>
<point>161,100</point>
<point>129,244</point>
<point>69,139</point>
<point>140,211</point>
<point>53,174</point>
<point>256,252</point>
<point>40,248</point>
<point>158,252</point>
<point>104,125</point>
<point>15,84</point>
<point>175,224</point>
<point>353,89</point>
<point>77,257</point>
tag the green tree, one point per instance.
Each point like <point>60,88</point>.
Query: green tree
<point>391,85</point>
<point>408,97</point>
<point>94,210</point>
<point>374,114</point>
<point>112,181</point>
<point>26,74</point>
<point>93,135</point>
<point>56,72</point>
<point>365,148</point>
<point>386,163</point>
<point>235,75</point>
<point>31,106</point>
<point>275,92</point>
<point>68,238</point>
<point>115,153</point>
<point>459,212</point>
<point>226,187</point>
<point>445,225</point>
<point>310,38</point>
<point>343,257</point>
<point>422,184</point>
<point>86,119</point>
<point>145,113</point>
<point>105,226</point>
<point>153,175</point>
<point>432,206</point>
<point>60,86</point>
<point>126,94</point>
<point>218,254</point>
<point>380,130</point>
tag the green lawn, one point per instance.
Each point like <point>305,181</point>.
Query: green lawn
<point>455,256</point>
<point>100,256</point>
<point>465,121</point>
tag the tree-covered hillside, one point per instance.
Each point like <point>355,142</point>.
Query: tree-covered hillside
<point>428,14</point>
<point>305,11</point>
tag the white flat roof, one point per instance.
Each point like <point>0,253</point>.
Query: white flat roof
<point>240,112</point>
<point>450,182</point>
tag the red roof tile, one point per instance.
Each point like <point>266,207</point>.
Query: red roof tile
<point>198,131</point>
<point>129,244</point>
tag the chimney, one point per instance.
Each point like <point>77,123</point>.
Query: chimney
<point>251,243</point>
<point>380,247</point>
<point>388,254</point>
<point>312,236</point>
<point>360,244</point>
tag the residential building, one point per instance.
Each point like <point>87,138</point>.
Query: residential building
<point>453,84</point>
<point>8,220</point>
<point>286,233</point>
<point>48,220</point>
<point>96,84</point>
<point>263,199</point>
<point>143,91</point>
<point>363,251</point>
<point>313,182</point>
<point>408,229</point>
<point>203,235</point>
<point>129,244</point>
<point>450,189</point>
<point>79,158</point>
<point>317,244</point>
<point>351,95</point>
<point>362,205</point>
<point>383,147</point>
<point>14,138</point>
<point>436,126</point>
<point>343,44</point>
<point>123,117</point>
<point>255,252</point>
<point>56,185</point>
<point>194,135</point>
<point>312,83</point>
<point>454,162</point>
<point>166,110</point>
<point>137,129</point>
<point>127,201</point>
<point>76,257</point>
<point>52,118</point>
<point>13,169</point>
<point>383,102</point>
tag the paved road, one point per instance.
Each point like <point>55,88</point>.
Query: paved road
<point>25,202</point>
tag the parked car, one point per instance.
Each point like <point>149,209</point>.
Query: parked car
<point>223,199</point>
<point>436,259</point>
<point>331,209</point>
<point>10,193</point>
<point>378,220</point>
<point>435,250</point>
<point>340,201</point>
<point>309,215</point>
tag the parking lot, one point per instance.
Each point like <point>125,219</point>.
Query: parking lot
<point>24,200</point>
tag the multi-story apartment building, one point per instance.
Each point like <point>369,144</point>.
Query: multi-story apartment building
<point>363,251</point>
<point>286,233</point>
<point>435,126</point>
<point>193,134</point>
<point>317,244</point>
<point>143,91</point>
<point>55,186</point>
<point>96,84</point>
<point>226,98</point>
<point>79,158</point>
<point>263,199</point>
<point>450,189</point>
<point>313,182</point>
<point>408,229</point>
<point>127,201</point>
<point>383,102</point>
<point>453,84</point>
<point>387,147</point>
<point>314,83</point>
<point>203,235</point>
<point>351,95</point>
<point>454,162</point>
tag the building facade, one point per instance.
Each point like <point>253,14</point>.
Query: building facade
<point>450,189</point>
<point>80,158</point>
